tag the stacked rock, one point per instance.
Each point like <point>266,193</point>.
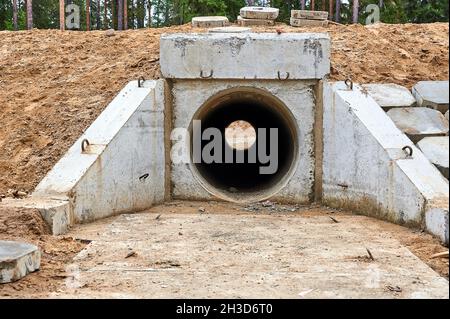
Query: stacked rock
<point>254,16</point>
<point>305,18</point>
<point>210,22</point>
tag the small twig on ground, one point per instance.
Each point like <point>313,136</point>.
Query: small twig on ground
<point>440,255</point>
<point>370,254</point>
<point>334,219</point>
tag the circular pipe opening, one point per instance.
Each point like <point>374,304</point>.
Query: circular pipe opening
<point>243,174</point>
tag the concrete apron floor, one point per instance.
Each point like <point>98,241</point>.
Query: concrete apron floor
<point>236,252</point>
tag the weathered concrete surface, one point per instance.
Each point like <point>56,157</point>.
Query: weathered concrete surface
<point>436,149</point>
<point>254,22</point>
<point>123,169</point>
<point>56,212</point>
<point>433,94</point>
<point>419,122</point>
<point>210,22</point>
<point>297,96</point>
<point>17,260</point>
<point>232,56</point>
<point>244,255</point>
<point>446,115</point>
<point>308,23</point>
<point>365,169</point>
<point>311,15</point>
<point>229,30</point>
<point>390,95</point>
<point>262,13</point>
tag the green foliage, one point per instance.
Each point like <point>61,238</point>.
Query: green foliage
<point>172,12</point>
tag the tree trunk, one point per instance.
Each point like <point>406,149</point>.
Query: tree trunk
<point>125,14</point>
<point>16,26</point>
<point>105,15</point>
<point>312,5</point>
<point>120,15</point>
<point>62,15</point>
<point>355,11</point>
<point>150,18</point>
<point>338,11</point>
<point>381,3</point>
<point>331,9</point>
<point>302,4</point>
<point>97,15</point>
<point>88,15</point>
<point>29,14</point>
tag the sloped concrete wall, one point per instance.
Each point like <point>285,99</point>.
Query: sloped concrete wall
<point>123,168</point>
<point>366,170</point>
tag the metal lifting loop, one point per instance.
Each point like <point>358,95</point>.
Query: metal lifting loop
<point>408,150</point>
<point>283,79</point>
<point>349,84</point>
<point>203,76</point>
<point>141,81</point>
<point>85,143</point>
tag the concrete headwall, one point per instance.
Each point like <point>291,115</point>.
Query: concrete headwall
<point>297,96</point>
<point>366,170</point>
<point>123,167</point>
<point>270,56</point>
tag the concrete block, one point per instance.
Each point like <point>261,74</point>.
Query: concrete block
<point>17,260</point>
<point>125,171</point>
<point>364,167</point>
<point>254,22</point>
<point>433,94</point>
<point>57,213</point>
<point>390,95</point>
<point>419,122</point>
<point>310,15</point>
<point>210,22</point>
<point>436,149</point>
<point>308,23</point>
<point>230,30</point>
<point>436,223</point>
<point>262,13</point>
<point>245,56</point>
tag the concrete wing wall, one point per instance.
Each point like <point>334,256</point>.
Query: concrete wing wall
<point>246,56</point>
<point>366,170</point>
<point>123,168</point>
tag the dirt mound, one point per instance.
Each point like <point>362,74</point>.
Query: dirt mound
<point>53,85</point>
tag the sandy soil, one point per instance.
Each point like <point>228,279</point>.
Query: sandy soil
<point>53,85</point>
<point>219,235</point>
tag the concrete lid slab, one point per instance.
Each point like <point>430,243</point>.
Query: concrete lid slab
<point>230,30</point>
<point>306,14</point>
<point>436,149</point>
<point>245,56</point>
<point>432,94</point>
<point>390,95</point>
<point>210,22</point>
<point>17,259</point>
<point>254,22</point>
<point>264,13</point>
<point>308,23</point>
<point>419,122</point>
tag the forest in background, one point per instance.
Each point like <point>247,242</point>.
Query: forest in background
<point>131,14</point>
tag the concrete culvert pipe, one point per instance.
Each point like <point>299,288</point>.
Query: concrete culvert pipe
<point>249,176</point>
